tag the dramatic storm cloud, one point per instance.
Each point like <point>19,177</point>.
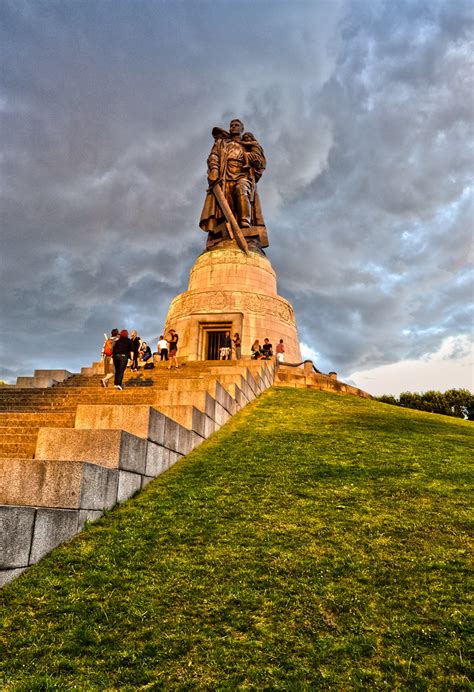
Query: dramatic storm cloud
<point>364,109</point>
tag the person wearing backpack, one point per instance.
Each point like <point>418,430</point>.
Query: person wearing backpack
<point>107,350</point>
<point>122,351</point>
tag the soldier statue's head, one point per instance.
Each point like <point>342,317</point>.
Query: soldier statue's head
<point>236,127</point>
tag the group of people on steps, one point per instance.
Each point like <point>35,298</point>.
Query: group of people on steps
<point>265,350</point>
<point>119,349</point>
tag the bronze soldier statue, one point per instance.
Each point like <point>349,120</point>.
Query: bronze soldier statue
<point>232,210</point>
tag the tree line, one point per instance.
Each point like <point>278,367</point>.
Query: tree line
<point>454,402</point>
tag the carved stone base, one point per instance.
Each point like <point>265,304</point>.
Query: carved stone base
<point>237,292</point>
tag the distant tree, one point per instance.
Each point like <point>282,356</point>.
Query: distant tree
<point>411,400</point>
<point>435,402</point>
<point>454,402</point>
<point>388,399</point>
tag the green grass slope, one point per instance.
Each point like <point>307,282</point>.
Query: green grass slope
<point>316,542</point>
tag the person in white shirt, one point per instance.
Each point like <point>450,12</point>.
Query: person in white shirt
<point>163,348</point>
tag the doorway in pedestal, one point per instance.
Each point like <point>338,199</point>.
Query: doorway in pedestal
<point>214,338</point>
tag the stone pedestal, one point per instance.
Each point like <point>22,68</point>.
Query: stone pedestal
<point>229,290</point>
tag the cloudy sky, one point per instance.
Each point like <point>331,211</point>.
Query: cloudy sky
<point>365,111</point>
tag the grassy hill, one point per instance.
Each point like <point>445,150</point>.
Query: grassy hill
<point>316,542</point>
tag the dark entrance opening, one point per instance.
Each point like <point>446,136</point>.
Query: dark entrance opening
<point>215,340</point>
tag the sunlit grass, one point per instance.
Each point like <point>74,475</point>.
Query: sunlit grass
<point>316,542</point>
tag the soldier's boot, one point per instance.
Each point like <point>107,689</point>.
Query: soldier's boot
<point>244,209</point>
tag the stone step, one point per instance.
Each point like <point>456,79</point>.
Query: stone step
<point>241,393</point>
<point>233,378</point>
<point>12,434</point>
<point>214,387</point>
<point>19,440</point>
<point>30,533</point>
<point>86,384</point>
<point>106,441</point>
<point>20,408</point>
<point>191,418</point>
<point>54,407</point>
<point>36,393</point>
<point>155,374</point>
<point>214,363</point>
<point>18,450</point>
<point>31,398</point>
<point>18,390</point>
<point>109,448</point>
<point>96,383</point>
<point>76,393</point>
<point>38,419</point>
<point>64,392</point>
<point>59,484</point>
<point>145,421</point>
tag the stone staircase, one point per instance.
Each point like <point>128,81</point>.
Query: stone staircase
<point>71,450</point>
